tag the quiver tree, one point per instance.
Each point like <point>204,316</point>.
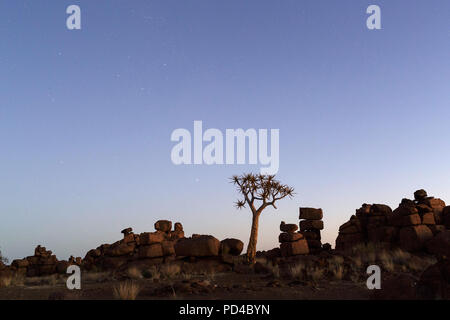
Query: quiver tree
<point>259,192</point>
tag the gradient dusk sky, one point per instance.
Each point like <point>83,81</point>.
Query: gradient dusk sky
<point>86,115</point>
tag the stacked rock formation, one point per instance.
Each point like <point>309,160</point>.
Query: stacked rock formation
<point>43,263</point>
<point>161,246</point>
<point>292,243</point>
<point>410,226</point>
<point>146,249</point>
<point>155,247</point>
<point>310,226</point>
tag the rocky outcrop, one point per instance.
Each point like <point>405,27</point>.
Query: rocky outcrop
<point>292,243</point>
<point>164,245</point>
<point>411,226</point>
<point>305,241</point>
<point>310,226</point>
<point>42,263</point>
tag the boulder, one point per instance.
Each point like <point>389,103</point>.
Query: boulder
<point>347,241</point>
<point>294,248</point>
<point>311,225</point>
<point>311,235</point>
<point>288,227</point>
<point>20,263</point>
<point>395,287</point>
<point>151,251</point>
<point>311,214</point>
<point>47,260</point>
<point>146,238</point>
<point>289,237</point>
<point>437,228</point>
<point>130,237</point>
<point>380,210</point>
<point>114,262</point>
<point>440,244</point>
<point>94,253</point>
<point>42,252</point>
<point>420,195</point>
<point>46,270</point>
<point>384,234</point>
<point>178,226</point>
<point>423,208</point>
<point>434,283</point>
<point>434,203</point>
<point>404,221</point>
<point>349,229</point>
<point>405,210</point>
<point>446,217</point>
<point>364,210</point>
<point>314,244</point>
<point>201,246</point>
<point>126,231</point>
<point>175,235</point>
<point>428,218</point>
<point>168,248</point>
<point>61,267</point>
<point>376,220</point>
<point>120,249</point>
<point>163,225</point>
<point>232,247</point>
<point>414,238</point>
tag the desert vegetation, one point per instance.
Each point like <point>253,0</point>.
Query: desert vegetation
<point>261,189</point>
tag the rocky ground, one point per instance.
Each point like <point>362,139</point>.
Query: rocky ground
<point>322,277</point>
<point>221,286</point>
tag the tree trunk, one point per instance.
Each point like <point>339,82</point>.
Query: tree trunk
<point>251,249</point>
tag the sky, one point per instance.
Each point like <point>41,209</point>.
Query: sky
<point>86,115</point>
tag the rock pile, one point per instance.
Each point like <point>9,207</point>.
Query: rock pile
<point>310,226</point>
<point>153,247</point>
<point>410,226</point>
<point>292,242</point>
<point>161,246</point>
<point>42,263</point>
<point>164,245</point>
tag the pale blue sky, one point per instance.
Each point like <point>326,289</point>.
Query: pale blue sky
<point>86,116</point>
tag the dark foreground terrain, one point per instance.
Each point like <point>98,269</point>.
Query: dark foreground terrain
<point>325,276</point>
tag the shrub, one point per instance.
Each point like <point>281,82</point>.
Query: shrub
<point>126,291</point>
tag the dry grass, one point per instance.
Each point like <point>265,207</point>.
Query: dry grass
<point>273,269</point>
<point>51,280</point>
<point>185,276</point>
<point>6,281</point>
<point>391,260</point>
<point>96,277</point>
<point>336,267</point>
<point>127,290</point>
<point>170,271</point>
<point>151,273</point>
<point>134,273</point>
<point>297,271</point>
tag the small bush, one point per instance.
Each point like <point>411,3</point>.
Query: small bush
<point>126,291</point>
<point>170,271</point>
<point>6,281</point>
<point>134,273</point>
